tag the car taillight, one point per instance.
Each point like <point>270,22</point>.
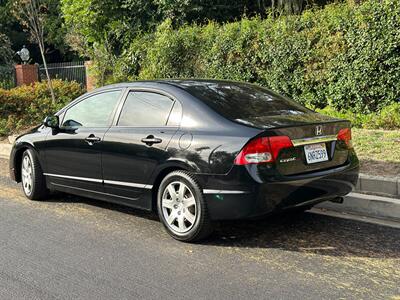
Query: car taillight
<point>345,136</point>
<point>262,150</point>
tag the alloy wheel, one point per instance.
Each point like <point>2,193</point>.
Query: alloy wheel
<point>27,175</point>
<point>179,207</point>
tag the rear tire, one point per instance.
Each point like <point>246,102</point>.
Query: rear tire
<point>182,208</point>
<point>33,180</point>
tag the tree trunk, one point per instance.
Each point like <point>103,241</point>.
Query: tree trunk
<point>49,83</point>
<point>288,6</point>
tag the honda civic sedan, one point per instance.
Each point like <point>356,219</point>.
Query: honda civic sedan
<point>194,151</point>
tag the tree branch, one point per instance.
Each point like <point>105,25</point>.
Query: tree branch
<point>29,15</point>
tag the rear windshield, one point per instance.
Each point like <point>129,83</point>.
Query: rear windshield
<point>241,101</point>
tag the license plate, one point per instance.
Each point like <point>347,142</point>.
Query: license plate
<point>315,153</point>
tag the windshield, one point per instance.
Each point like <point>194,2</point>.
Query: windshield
<point>241,101</point>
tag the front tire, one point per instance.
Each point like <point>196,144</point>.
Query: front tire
<point>182,208</point>
<point>33,180</point>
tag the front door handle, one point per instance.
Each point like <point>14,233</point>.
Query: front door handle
<point>150,140</point>
<point>91,139</point>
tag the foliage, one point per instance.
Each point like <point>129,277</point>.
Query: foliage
<point>32,14</point>
<point>55,32</point>
<point>388,118</point>
<point>10,27</point>
<point>6,52</point>
<point>344,56</point>
<point>104,30</point>
<point>7,76</point>
<point>117,23</point>
<point>23,106</point>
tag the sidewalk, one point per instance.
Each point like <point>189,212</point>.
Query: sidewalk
<point>374,196</point>
<point>5,150</point>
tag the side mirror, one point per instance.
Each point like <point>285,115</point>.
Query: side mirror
<point>52,122</point>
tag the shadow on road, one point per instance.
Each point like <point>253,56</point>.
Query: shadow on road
<point>307,232</point>
<point>312,233</point>
<point>59,197</point>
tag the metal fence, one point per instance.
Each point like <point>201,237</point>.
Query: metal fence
<point>7,77</point>
<point>71,71</point>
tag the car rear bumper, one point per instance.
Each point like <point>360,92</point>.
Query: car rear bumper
<point>237,195</point>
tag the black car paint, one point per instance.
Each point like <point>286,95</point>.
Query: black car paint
<point>205,144</point>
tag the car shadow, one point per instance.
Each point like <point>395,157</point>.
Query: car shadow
<point>303,232</point>
<point>60,197</point>
<point>311,233</point>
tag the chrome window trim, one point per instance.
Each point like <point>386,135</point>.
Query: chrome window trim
<point>314,140</point>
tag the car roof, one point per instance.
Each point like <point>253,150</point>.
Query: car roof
<point>182,83</point>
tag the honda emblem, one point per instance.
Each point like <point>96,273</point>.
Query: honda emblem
<point>318,130</point>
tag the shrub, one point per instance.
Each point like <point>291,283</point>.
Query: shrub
<point>27,105</point>
<point>388,118</point>
<point>344,56</point>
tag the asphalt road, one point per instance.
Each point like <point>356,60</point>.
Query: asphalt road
<point>76,248</point>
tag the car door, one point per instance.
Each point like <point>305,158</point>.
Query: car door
<point>137,143</point>
<point>73,152</point>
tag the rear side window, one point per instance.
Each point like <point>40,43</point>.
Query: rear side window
<point>241,101</point>
<point>145,109</point>
<point>94,111</point>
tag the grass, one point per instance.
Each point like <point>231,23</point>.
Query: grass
<point>379,145</point>
<point>378,151</point>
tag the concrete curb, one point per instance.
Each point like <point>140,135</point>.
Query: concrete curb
<point>384,186</point>
<point>366,205</point>
<point>12,138</point>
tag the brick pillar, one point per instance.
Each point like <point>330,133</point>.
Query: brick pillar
<point>26,74</point>
<point>90,80</point>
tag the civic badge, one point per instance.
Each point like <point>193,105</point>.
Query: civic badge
<point>318,130</point>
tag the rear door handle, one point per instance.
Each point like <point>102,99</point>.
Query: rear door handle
<point>91,139</point>
<point>150,140</point>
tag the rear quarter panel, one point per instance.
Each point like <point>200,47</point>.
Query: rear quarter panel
<point>208,151</point>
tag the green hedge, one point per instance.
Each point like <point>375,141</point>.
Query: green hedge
<point>344,56</point>
<point>388,118</point>
<point>27,105</point>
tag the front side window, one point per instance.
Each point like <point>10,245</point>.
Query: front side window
<point>145,109</point>
<point>95,111</point>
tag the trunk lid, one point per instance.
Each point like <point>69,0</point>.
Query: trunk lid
<point>287,120</point>
<point>315,144</point>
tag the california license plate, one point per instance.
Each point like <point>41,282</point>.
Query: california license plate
<point>315,153</point>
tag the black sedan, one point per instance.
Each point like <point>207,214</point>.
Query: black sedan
<point>195,151</point>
